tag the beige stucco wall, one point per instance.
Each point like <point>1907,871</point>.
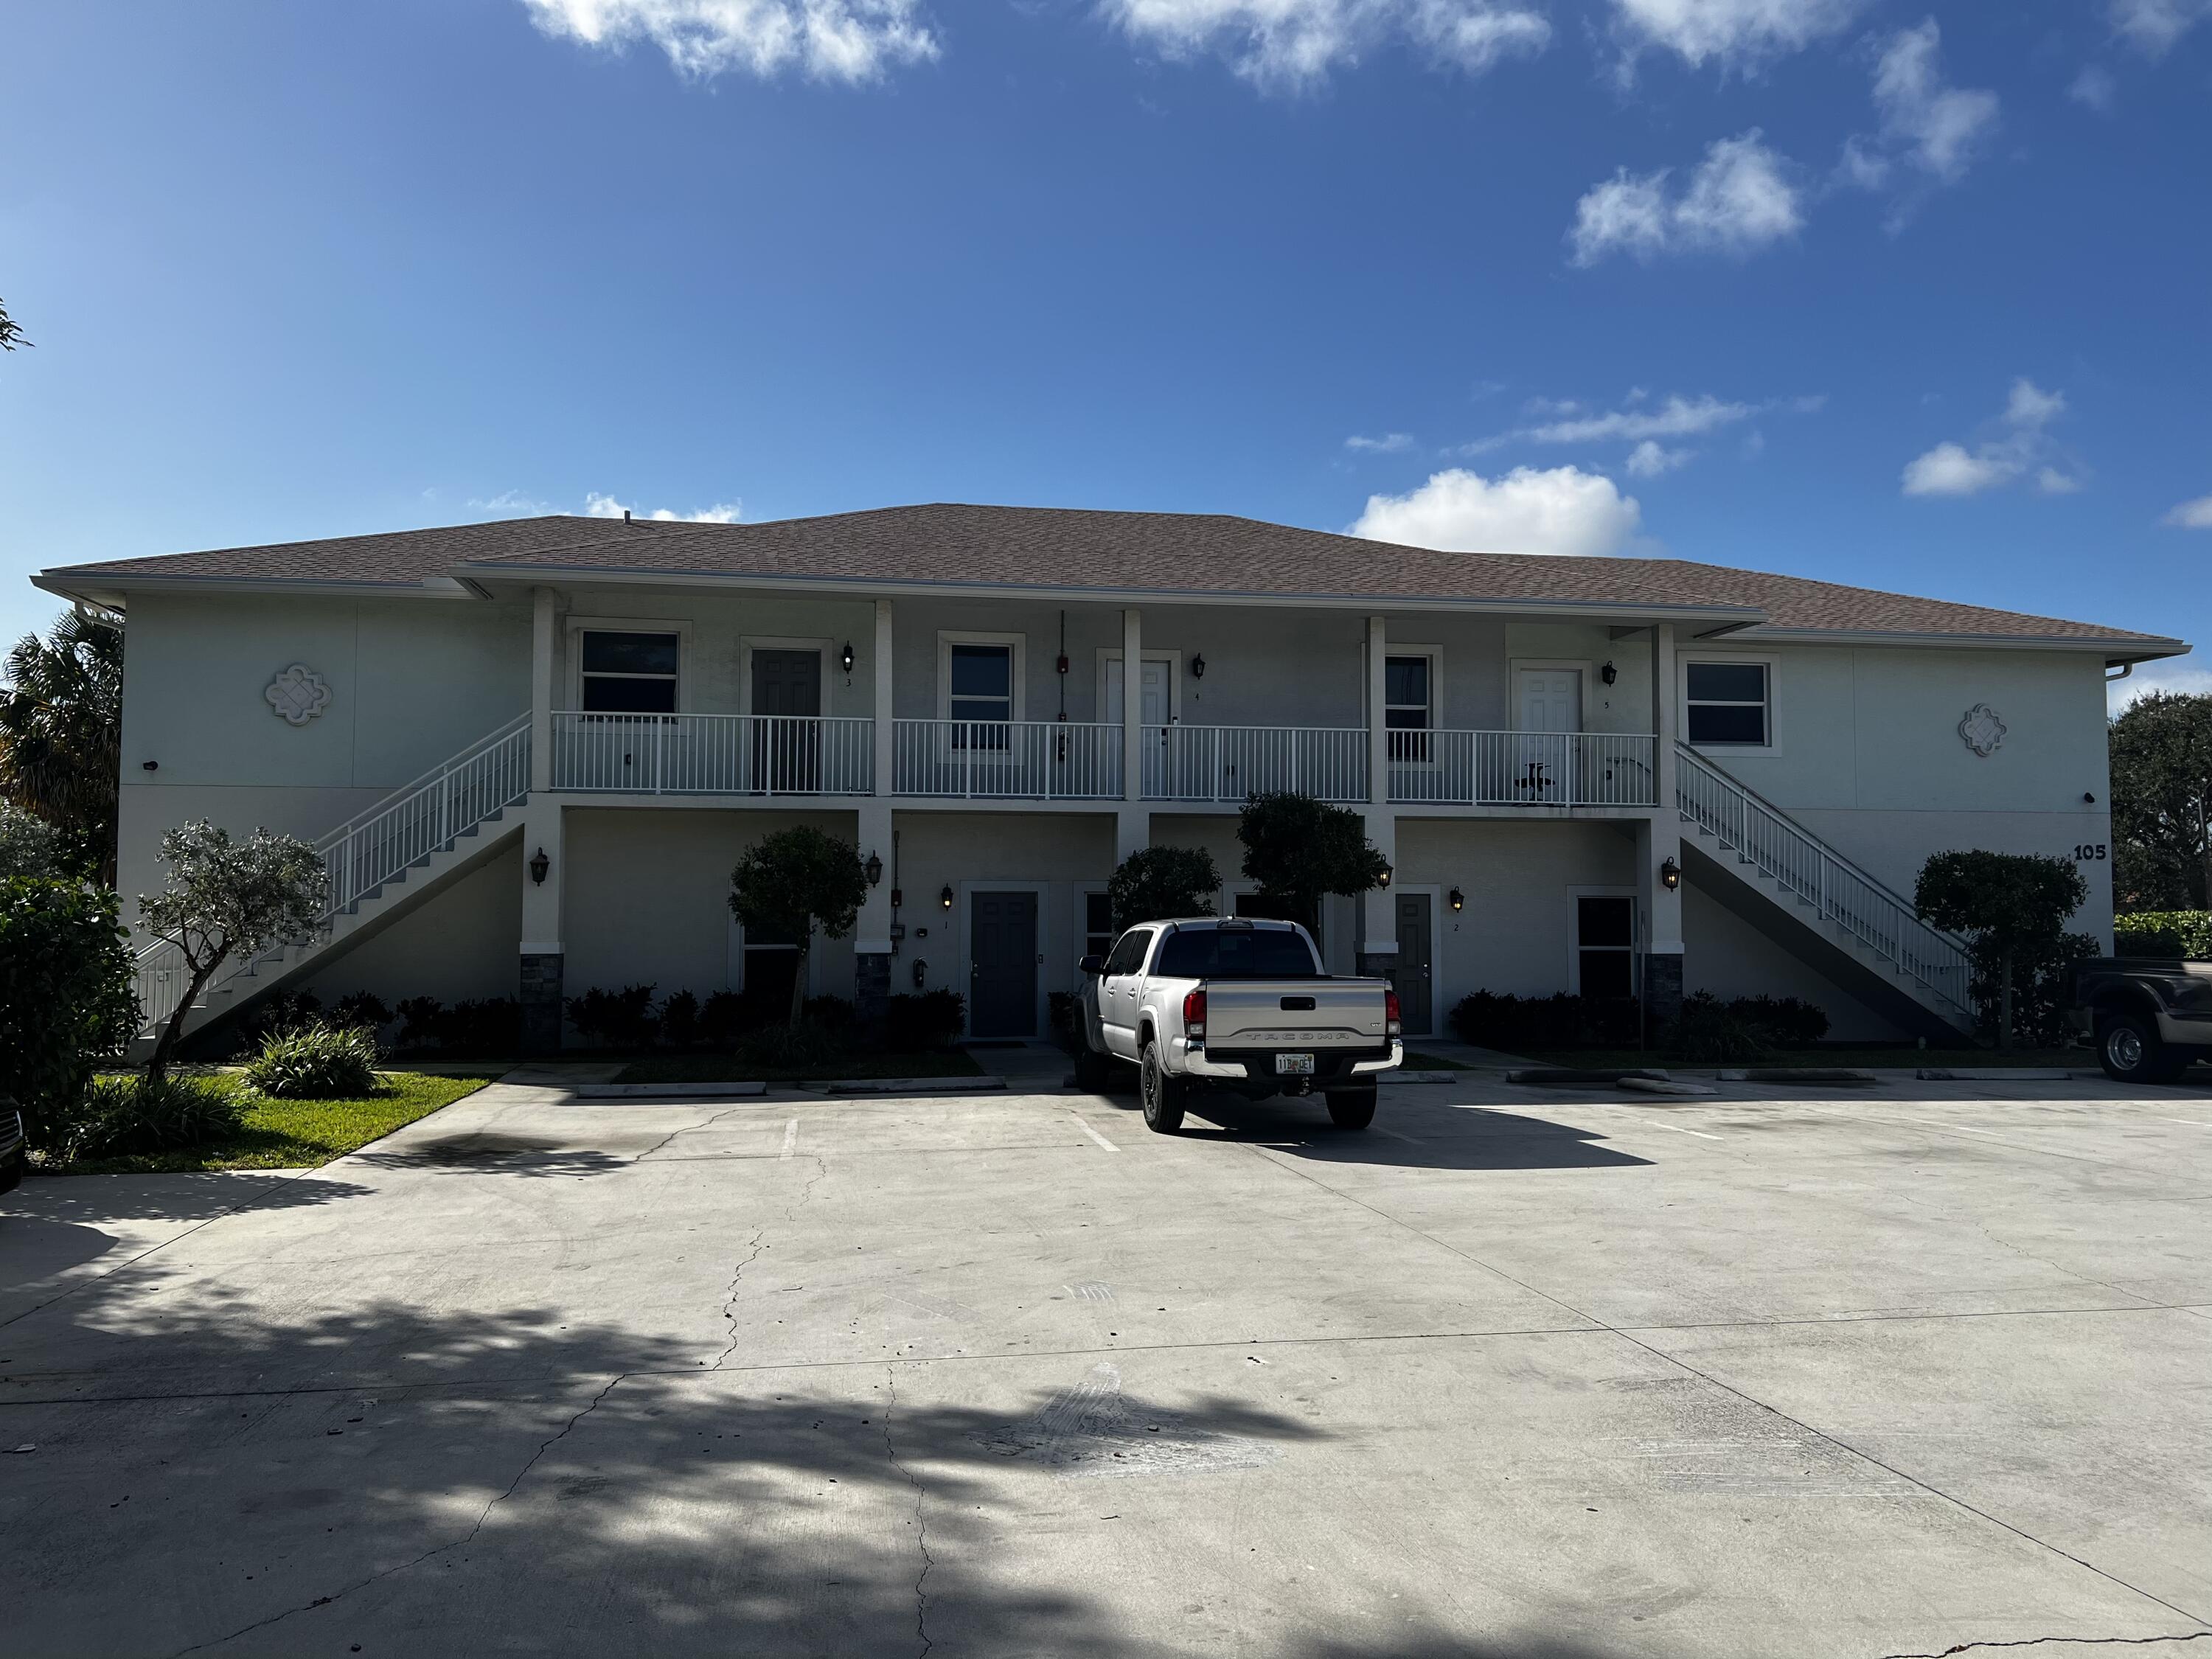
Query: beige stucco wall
<point>457,944</point>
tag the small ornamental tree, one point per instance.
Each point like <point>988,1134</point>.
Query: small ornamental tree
<point>31,847</point>
<point>2014,905</point>
<point>1155,884</point>
<point>227,898</point>
<point>2161,792</point>
<point>65,996</point>
<point>1298,849</point>
<point>794,881</point>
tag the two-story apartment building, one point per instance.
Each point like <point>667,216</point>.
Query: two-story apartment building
<point>533,750</point>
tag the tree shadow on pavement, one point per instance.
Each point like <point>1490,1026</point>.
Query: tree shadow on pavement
<point>1488,1140</point>
<point>487,1150</point>
<point>195,1196</point>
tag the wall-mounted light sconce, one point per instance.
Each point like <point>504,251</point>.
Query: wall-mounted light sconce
<point>1608,673</point>
<point>845,658</point>
<point>873,869</point>
<point>1387,873</point>
<point>151,766</point>
<point>1458,900</point>
<point>945,896</point>
<point>540,865</point>
<point>1670,875</point>
<point>1197,666</point>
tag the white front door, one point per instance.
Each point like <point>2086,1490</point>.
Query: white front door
<point>1548,705</point>
<point>1154,715</point>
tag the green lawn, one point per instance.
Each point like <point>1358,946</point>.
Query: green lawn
<point>726,1069</point>
<point>296,1134</point>
<point>1419,1062</point>
<point>1862,1059</point>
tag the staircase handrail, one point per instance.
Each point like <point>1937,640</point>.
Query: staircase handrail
<point>351,876</point>
<point>1907,916</point>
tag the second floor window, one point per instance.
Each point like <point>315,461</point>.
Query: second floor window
<point>1406,707</point>
<point>626,673</point>
<point>1727,703</point>
<point>982,684</point>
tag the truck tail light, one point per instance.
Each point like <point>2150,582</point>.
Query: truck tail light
<point>1193,1015</point>
<point>1394,1018</point>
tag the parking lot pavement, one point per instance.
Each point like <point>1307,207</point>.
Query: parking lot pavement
<point>1520,1372</point>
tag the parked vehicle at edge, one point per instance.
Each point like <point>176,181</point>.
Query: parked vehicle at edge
<point>13,1157</point>
<point>2149,1015</point>
<point>1228,1002</point>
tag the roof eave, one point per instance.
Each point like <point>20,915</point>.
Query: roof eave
<point>112,589</point>
<point>2114,649</point>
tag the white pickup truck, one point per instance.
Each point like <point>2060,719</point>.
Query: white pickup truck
<point>1228,1002</point>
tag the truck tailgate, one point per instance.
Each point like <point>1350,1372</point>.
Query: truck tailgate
<point>1308,1014</point>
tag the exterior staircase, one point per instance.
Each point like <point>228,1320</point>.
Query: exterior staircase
<point>1796,888</point>
<point>380,863</point>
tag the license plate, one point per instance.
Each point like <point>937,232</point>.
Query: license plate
<point>1294,1065</point>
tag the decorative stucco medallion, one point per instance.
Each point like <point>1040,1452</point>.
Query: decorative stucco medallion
<point>1982,731</point>
<point>298,694</point>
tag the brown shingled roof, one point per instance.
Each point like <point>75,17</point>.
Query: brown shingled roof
<point>1056,548</point>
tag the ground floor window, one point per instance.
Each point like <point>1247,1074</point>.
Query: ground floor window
<point>1097,925</point>
<point>1605,945</point>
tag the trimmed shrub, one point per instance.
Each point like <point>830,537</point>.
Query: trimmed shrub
<point>488,1029</point>
<point>1490,1020</point>
<point>2042,987</point>
<point>363,1008</point>
<point>831,1013</point>
<point>2164,933</point>
<point>1712,1032</point>
<point>1065,1013</point>
<point>614,1019</point>
<point>791,1046</point>
<point>315,1062</point>
<point>925,1020</point>
<point>117,1116</point>
<point>66,996</point>
<point>1788,1021</point>
<point>679,1020</point>
<point>276,1015</point>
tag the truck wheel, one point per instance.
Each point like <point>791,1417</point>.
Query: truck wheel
<point>1093,1070</point>
<point>1164,1095</point>
<point>2130,1051</point>
<point>1352,1109</point>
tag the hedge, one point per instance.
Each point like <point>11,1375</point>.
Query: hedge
<point>2164,933</point>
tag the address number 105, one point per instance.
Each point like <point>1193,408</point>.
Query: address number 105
<point>2089,852</point>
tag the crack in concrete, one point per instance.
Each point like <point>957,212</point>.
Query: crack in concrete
<point>462,1542</point>
<point>687,1129</point>
<point>920,1520</point>
<point>730,1300</point>
<point>2075,1641</point>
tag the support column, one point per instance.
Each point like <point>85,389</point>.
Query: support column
<point>541,690</point>
<point>1378,911</point>
<point>1132,705</point>
<point>1658,843</point>
<point>542,954</point>
<point>872,940</point>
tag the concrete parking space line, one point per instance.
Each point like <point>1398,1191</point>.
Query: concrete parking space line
<point>1679,1129</point>
<point>790,1139</point>
<point>1410,1141</point>
<point>1085,1126</point>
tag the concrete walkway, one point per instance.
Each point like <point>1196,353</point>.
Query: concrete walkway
<point>1517,1373</point>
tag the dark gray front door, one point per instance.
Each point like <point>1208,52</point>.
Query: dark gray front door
<point>786,752</point>
<point>1002,942</point>
<point>1415,964</point>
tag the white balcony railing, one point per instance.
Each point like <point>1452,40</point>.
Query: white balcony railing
<point>1228,762</point>
<point>1523,768</point>
<point>1006,760</point>
<point>713,754</point>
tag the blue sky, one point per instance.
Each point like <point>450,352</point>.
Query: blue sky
<point>1908,295</point>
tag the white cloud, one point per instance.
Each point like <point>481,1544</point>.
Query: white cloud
<point>2020,445</point>
<point>848,40</point>
<point>512,504</point>
<point>1936,127</point>
<point>1648,460</point>
<point>1564,510</point>
<point>1738,32</point>
<point>2153,26</point>
<point>2095,88</point>
<point>606,507</point>
<point>2191,515</point>
<point>1389,443</point>
<point>1739,199</point>
<point>1297,42</point>
<point>2175,674</point>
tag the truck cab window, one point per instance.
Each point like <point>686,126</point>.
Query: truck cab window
<point>1233,953</point>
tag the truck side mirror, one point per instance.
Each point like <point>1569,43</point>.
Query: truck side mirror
<point>1092,965</point>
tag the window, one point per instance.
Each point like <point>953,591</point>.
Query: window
<point>1727,703</point>
<point>982,690</point>
<point>629,673</point>
<point>1235,953</point>
<point>1605,945</point>
<point>1097,925</point>
<point>1129,953</point>
<point>1406,707</point>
